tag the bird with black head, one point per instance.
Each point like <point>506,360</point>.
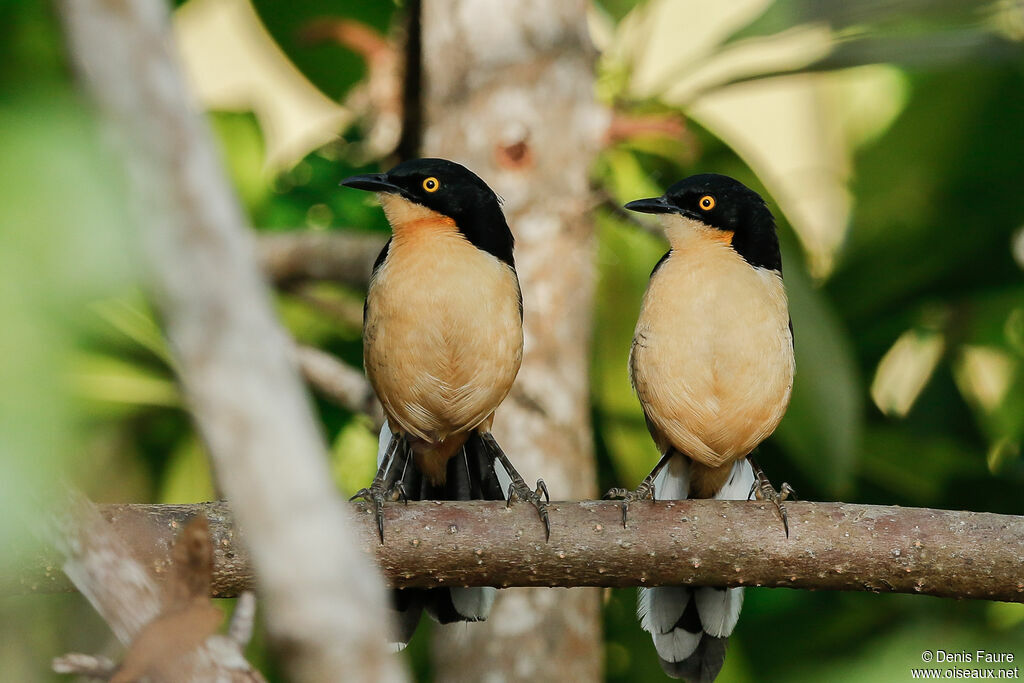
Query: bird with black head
<point>712,364</point>
<point>442,344</point>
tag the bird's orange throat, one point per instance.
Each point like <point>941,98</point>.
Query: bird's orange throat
<point>683,232</point>
<point>724,236</point>
<point>410,221</point>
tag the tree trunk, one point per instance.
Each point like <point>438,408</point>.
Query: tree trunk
<point>508,91</point>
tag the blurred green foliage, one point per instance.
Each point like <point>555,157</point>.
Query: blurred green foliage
<point>89,390</point>
<point>332,70</point>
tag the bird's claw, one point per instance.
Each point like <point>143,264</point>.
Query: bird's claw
<point>363,493</point>
<point>518,490</point>
<point>400,494</point>
<point>643,492</point>
<point>763,490</point>
<point>541,486</point>
<point>386,486</point>
<point>377,494</point>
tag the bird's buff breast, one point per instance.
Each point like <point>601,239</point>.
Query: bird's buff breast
<point>443,339</point>
<point>712,359</point>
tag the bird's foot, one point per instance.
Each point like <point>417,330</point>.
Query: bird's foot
<point>387,484</point>
<point>763,490</point>
<point>645,491</point>
<point>519,490</point>
<point>379,493</point>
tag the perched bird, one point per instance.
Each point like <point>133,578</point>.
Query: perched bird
<point>712,364</point>
<point>442,343</point>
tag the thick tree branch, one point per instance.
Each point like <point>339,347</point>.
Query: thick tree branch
<point>832,546</point>
<point>344,257</point>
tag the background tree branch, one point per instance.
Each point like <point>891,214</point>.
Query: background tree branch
<point>832,546</point>
<point>339,382</point>
<point>239,378</point>
<point>343,257</point>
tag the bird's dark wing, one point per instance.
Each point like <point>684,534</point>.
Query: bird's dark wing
<point>376,266</point>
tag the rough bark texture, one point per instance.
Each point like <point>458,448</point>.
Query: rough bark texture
<point>325,603</point>
<point>508,91</point>
<point>832,546</point>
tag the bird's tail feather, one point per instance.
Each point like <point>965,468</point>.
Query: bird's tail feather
<point>471,475</point>
<point>691,626</point>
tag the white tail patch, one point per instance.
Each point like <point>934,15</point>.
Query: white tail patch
<point>473,603</point>
<point>504,480</point>
<point>382,443</point>
<point>677,645</point>
<point>719,610</point>
<point>737,486</point>
<point>658,609</point>
<point>643,607</point>
<point>673,482</point>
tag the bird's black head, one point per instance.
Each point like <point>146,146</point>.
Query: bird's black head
<point>452,191</point>
<point>725,205</point>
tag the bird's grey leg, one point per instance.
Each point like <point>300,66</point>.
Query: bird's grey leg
<point>762,489</point>
<point>518,489</point>
<point>645,491</point>
<point>387,484</point>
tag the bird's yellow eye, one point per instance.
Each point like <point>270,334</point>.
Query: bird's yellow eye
<point>431,184</point>
<point>707,202</point>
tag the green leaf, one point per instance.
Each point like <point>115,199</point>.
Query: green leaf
<point>120,384</point>
<point>917,16</point>
<point>242,150</point>
<point>1006,615</point>
<point>331,67</point>
<point>354,456</point>
<point>187,478</point>
<point>62,242</point>
<point>625,177</point>
<point>131,315</point>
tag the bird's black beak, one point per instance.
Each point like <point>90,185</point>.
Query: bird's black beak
<point>654,205</point>
<point>374,182</point>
